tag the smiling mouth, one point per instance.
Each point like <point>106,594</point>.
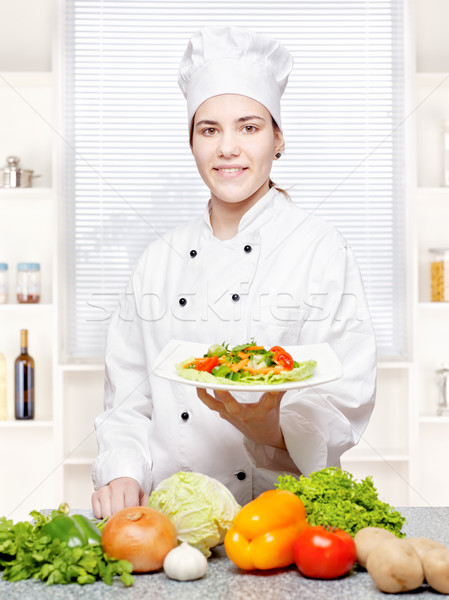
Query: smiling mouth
<point>230,169</point>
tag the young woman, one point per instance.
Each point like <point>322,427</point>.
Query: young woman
<point>255,265</point>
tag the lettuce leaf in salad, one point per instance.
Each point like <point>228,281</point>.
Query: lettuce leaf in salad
<point>304,370</point>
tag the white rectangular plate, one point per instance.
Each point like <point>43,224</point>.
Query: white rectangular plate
<point>176,351</point>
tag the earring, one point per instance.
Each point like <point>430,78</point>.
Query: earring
<point>278,155</point>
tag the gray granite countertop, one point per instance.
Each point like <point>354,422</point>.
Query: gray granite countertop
<point>224,581</point>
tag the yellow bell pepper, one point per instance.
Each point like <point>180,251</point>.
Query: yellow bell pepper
<point>263,533</point>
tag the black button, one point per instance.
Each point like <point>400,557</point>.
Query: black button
<point>235,297</point>
<point>193,253</point>
<point>182,301</point>
<point>247,248</point>
<point>185,416</point>
<point>241,475</point>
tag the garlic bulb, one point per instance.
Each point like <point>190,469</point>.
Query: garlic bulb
<point>185,563</point>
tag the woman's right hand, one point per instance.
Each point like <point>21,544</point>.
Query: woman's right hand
<point>122,492</point>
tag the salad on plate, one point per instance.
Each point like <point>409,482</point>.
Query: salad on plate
<point>247,364</point>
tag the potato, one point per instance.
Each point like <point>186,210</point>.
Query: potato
<point>422,545</point>
<point>366,539</point>
<point>436,569</point>
<point>395,566</point>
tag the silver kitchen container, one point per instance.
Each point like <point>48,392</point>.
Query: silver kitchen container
<point>11,176</point>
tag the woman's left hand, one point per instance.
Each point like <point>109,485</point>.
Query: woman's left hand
<point>258,421</point>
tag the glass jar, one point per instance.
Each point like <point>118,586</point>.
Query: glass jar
<point>446,152</point>
<point>28,283</point>
<point>443,400</point>
<point>3,283</point>
<point>439,274</point>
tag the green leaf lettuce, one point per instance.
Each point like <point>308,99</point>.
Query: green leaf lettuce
<point>333,497</point>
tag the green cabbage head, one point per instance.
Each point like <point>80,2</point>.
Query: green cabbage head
<point>201,508</point>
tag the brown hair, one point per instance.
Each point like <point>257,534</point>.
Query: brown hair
<point>270,182</point>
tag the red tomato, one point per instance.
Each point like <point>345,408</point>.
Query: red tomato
<point>207,364</point>
<point>324,552</point>
<point>282,357</point>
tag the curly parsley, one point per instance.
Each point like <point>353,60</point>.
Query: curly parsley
<point>333,497</point>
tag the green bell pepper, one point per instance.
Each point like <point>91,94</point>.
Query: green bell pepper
<point>90,530</point>
<point>234,376</point>
<point>75,531</point>
<point>221,371</point>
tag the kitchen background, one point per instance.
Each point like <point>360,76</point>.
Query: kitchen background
<point>47,460</point>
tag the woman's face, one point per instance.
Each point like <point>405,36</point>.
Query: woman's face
<point>234,143</point>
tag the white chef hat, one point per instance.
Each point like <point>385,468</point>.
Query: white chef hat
<point>233,60</point>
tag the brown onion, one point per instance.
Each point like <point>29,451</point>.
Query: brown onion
<point>142,535</point>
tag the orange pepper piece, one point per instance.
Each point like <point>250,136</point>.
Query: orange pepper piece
<point>237,366</point>
<point>264,531</point>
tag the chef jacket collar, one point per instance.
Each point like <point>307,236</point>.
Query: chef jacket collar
<point>259,214</point>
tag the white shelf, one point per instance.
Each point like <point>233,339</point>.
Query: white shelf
<point>26,193</point>
<point>26,79</point>
<point>433,78</point>
<point>78,462</point>
<point>430,419</point>
<point>29,105</point>
<point>427,305</point>
<point>82,367</point>
<point>33,423</point>
<point>40,306</point>
<point>426,193</point>
<point>393,364</point>
<point>431,214</point>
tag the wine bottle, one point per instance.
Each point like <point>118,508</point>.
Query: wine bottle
<point>24,375</point>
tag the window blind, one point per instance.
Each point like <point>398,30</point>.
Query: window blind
<point>129,173</point>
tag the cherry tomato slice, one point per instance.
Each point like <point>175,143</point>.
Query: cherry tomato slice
<point>282,357</point>
<point>207,363</point>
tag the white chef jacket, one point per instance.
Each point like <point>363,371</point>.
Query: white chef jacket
<point>287,277</point>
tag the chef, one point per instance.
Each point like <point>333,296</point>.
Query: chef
<point>253,266</point>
